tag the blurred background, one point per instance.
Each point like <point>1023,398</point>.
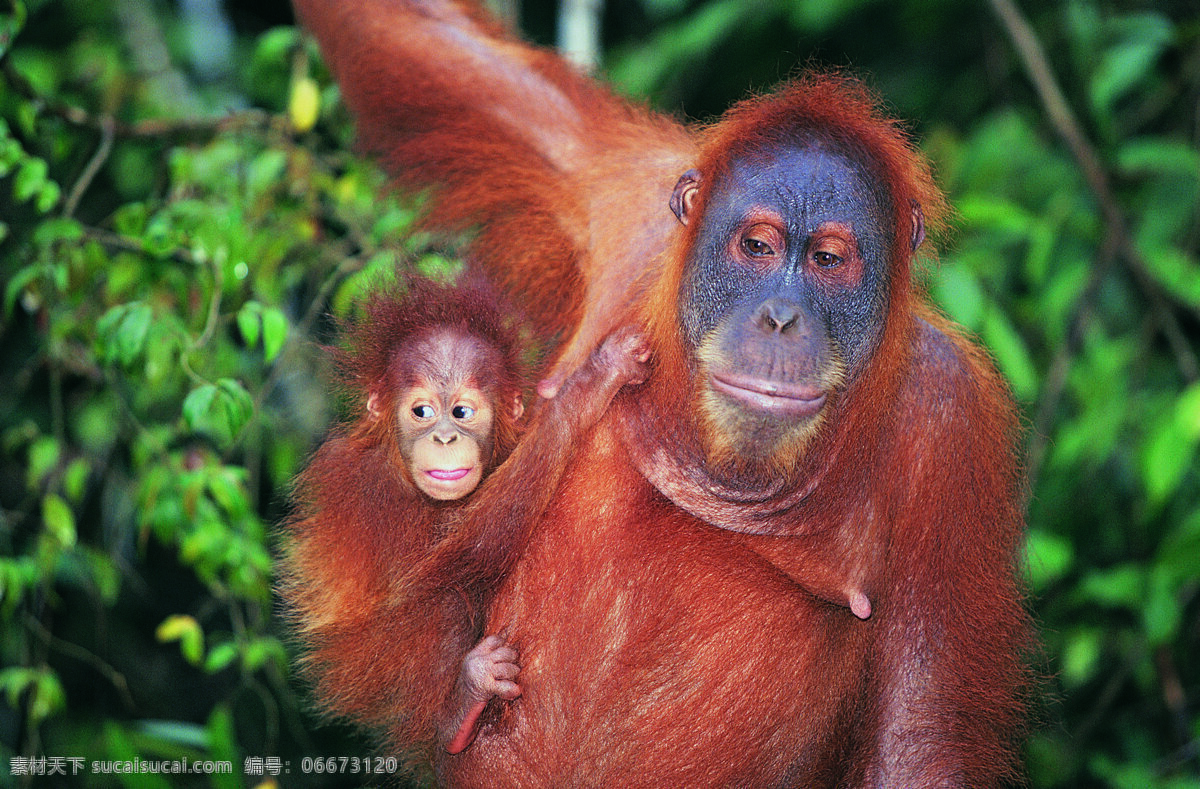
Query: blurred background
<point>181,212</point>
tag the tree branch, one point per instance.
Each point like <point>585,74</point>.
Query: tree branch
<point>1037,66</point>
<point>153,127</point>
<point>93,167</point>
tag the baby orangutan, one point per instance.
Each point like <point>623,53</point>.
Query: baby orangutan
<point>409,516</point>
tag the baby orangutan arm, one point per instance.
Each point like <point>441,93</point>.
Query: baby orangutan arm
<point>488,670</point>
<point>489,533</point>
<point>485,535</point>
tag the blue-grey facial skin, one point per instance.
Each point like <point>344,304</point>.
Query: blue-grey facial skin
<point>806,187</point>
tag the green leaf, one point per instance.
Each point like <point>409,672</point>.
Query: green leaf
<point>275,332</point>
<point>17,577</point>
<point>30,179</point>
<point>57,229</point>
<point>160,237</point>
<point>47,197</point>
<point>276,44</point>
<point>187,631</point>
<point>262,650</point>
<point>1081,656</point>
<point>48,696</point>
<point>17,285</point>
<point>205,544</point>
<point>181,733</point>
<point>1162,613</point>
<point>1179,552</point>
<point>173,627</point>
<point>220,657</point>
<point>104,574</point>
<point>958,290</point>
<point>238,404</point>
<point>11,24</point>
<point>995,213</point>
<point>266,171</point>
<point>59,520</point>
<point>227,490</point>
<point>393,224</point>
<point>1122,586</point>
<point>197,405</point>
<point>1170,447</point>
<point>75,478</point>
<point>1068,278</point>
<point>219,410</point>
<point>1128,62</point>
<point>675,46</point>
<point>249,321</point>
<point>130,219</point>
<point>96,423</point>
<point>123,330</point>
<point>1160,156</point>
<point>1011,354</point>
<point>223,739</point>
<point>1048,558</point>
<point>15,681</point>
<point>1177,272</point>
<point>119,746</point>
<point>44,454</point>
<point>11,153</point>
<point>439,267</point>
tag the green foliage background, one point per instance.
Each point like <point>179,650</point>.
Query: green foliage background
<point>174,236</point>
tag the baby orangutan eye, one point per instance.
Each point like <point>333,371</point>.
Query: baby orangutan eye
<point>462,412</point>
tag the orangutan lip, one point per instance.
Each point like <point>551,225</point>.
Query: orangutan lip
<point>771,396</point>
<point>448,475</point>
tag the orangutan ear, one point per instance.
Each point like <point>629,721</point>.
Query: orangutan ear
<point>918,225</point>
<point>683,199</point>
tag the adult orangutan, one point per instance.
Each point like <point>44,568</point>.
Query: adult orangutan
<point>810,425</point>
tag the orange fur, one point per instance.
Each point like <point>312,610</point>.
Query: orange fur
<point>563,184</point>
<point>387,589</point>
<point>361,525</point>
<point>672,608</point>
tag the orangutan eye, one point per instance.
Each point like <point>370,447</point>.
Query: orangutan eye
<point>762,241</point>
<point>462,412</point>
<point>826,259</point>
<point>423,411</point>
<point>757,248</point>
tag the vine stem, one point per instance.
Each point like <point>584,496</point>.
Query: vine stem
<point>1037,66</point>
<point>1058,109</point>
<point>107,132</point>
<point>214,304</point>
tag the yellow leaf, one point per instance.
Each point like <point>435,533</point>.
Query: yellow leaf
<point>304,105</point>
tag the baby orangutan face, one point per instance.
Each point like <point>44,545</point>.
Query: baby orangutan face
<point>445,417</point>
<point>445,437</point>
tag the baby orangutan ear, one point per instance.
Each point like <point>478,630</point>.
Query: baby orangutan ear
<point>518,406</point>
<point>374,409</point>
